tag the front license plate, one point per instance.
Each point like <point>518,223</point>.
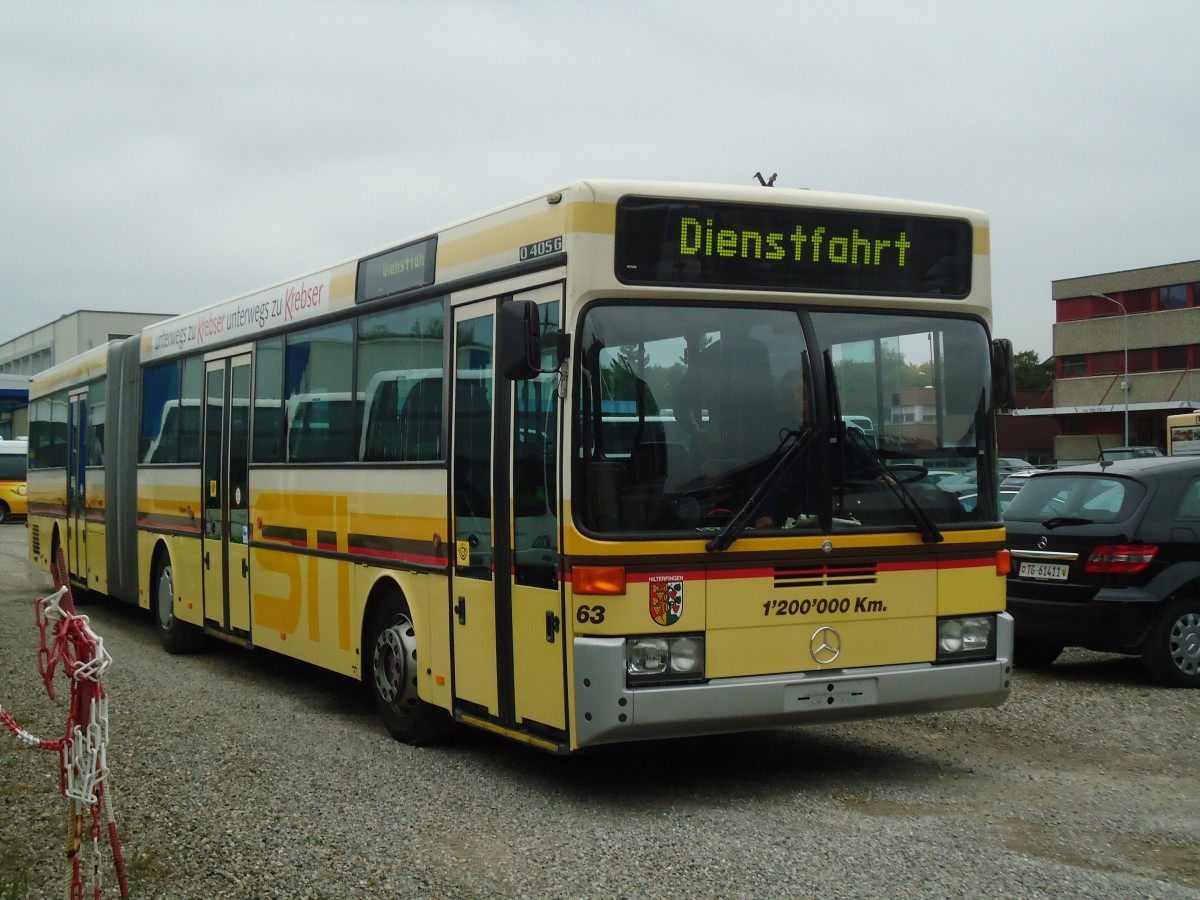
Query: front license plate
<point>818,694</point>
<point>1045,571</point>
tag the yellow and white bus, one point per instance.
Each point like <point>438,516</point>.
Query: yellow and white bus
<point>538,471</point>
<point>1183,434</point>
<point>13,498</point>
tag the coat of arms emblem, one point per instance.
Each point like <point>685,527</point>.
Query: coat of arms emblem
<point>666,598</point>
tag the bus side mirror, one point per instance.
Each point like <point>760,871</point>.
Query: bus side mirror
<point>519,336</point>
<point>1004,376</point>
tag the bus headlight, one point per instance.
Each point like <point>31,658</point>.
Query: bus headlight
<point>966,637</point>
<point>659,660</point>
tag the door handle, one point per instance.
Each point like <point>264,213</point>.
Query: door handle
<point>461,610</point>
<point>206,559</point>
<point>245,567</point>
<point>552,626</point>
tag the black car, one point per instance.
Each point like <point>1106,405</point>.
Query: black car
<point>1107,557</point>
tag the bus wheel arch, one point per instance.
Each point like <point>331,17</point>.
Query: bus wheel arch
<point>175,635</point>
<point>55,544</point>
<point>390,674</point>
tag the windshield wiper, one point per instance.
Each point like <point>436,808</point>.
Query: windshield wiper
<point>1056,521</point>
<point>734,527</point>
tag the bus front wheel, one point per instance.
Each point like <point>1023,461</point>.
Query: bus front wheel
<point>392,677</point>
<point>175,635</point>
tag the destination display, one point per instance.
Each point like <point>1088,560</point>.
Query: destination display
<point>401,269</point>
<point>743,245</point>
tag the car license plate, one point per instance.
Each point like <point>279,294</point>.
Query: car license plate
<point>1048,571</point>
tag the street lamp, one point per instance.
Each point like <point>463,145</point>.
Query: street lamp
<point>1125,331</point>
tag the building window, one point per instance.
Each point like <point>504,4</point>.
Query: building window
<point>1172,358</point>
<point>1107,363</point>
<point>1073,425</point>
<point>1141,360</point>
<point>1073,366</point>
<point>1173,297</point>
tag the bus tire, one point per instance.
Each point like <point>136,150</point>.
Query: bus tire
<point>3,512</point>
<point>1171,653</point>
<point>176,636</point>
<point>391,677</point>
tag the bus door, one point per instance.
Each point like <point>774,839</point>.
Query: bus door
<point>538,628</point>
<point>506,603</point>
<point>226,495</point>
<point>76,548</point>
<point>474,587</point>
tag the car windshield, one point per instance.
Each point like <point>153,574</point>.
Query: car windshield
<point>683,412</point>
<point>1075,496</point>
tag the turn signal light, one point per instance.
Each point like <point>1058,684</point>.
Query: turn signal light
<point>1120,559</point>
<point>1003,562</point>
<point>598,579</point>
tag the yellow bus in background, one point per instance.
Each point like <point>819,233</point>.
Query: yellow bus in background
<point>13,458</point>
<point>543,471</point>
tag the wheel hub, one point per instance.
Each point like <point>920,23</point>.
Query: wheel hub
<point>1185,643</point>
<point>395,651</point>
<point>166,598</point>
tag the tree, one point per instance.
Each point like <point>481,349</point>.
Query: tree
<point>1032,375</point>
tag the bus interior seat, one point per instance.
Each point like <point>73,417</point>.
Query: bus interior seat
<point>321,432</point>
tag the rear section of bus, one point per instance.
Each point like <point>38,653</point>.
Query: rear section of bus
<point>13,460</point>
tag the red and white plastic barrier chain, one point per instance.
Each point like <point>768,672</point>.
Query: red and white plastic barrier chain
<point>68,639</point>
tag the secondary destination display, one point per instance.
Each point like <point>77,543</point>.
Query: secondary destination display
<point>401,269</point>
<point>683,242</point>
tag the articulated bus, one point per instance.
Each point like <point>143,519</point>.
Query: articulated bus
<point>542,471</point>
<point>1183,434</point>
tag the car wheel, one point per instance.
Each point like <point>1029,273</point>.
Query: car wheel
<point>392,677</point>
<point>175,635</point>
<point>1035,653</point>
<point>1172,649</point>
<point>3,513</point>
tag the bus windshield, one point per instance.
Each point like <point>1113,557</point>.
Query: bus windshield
<point>683,412</point>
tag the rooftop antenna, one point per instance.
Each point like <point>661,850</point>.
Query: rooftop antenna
<point>770,182</point>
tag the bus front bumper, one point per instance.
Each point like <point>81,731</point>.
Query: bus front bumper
<point>608,711</point>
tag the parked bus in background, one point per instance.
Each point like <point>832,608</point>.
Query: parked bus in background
<point>537,472</point>
<point>1183,434</point>
<point>13,454</point>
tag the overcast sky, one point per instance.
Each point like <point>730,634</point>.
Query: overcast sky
<point>161,156</point>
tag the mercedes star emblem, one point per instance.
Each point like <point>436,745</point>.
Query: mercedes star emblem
<point>825,645</point>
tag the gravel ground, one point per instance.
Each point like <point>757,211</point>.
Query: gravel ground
<point>243,775</point>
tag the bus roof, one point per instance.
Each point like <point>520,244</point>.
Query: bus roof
<point>523,231</point>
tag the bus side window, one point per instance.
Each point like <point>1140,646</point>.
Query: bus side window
<point>473,450</point>
<point>268,431</point>
<point>419,430</point>
<point>384,426</point>
<point>321,430</point>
